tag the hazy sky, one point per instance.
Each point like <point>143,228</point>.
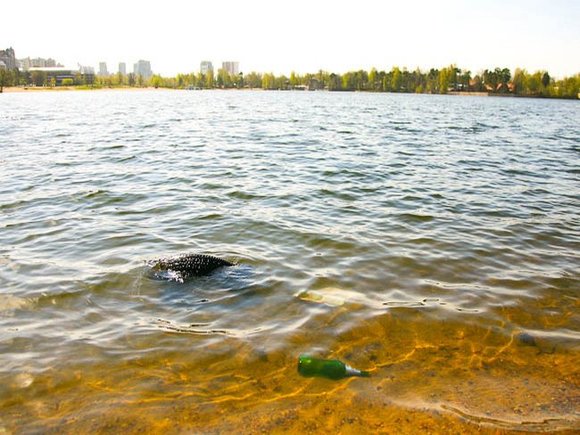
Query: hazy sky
<point>299,35</point>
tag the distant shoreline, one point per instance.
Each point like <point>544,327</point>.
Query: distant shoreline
<point>39,89</point>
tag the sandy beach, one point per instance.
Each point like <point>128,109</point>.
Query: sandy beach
<point>20,89</point>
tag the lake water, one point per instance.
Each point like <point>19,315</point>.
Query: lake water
<point>432,240</point>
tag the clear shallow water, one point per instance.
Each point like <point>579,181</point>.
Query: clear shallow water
<point>431,240</point>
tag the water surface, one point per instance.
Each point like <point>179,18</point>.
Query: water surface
<point>431,240</point>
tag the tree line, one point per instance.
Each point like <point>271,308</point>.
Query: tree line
<point>446,80</point>
<point>435,81</point>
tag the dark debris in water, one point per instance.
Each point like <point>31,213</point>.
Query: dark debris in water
<point>526,339</point>
<point>186,266</point>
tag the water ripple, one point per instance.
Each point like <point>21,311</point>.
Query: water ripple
<point>413,234</point>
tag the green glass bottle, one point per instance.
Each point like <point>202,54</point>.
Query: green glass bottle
<point>327,368</point>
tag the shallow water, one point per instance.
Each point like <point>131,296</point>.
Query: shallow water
<point>431,240</point>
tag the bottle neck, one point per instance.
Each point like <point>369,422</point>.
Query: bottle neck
<point>349,371</point>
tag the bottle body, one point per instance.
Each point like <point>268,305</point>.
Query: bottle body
<point>326,368</point>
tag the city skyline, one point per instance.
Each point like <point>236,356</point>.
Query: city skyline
<point>331,36</point>
<point>142,67</point>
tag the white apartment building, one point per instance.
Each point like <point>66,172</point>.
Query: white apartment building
<point>231,67</point>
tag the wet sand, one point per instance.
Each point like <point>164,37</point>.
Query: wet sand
<point>426,376</point>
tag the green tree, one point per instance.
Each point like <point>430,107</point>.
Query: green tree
<point>416,81</point>
<point>294,79</point>
<point>534,84</point>
<point>78,80</point>
<point>67,82</point>
<point>25,78</point>
<point>569,87</point>
<point>444,80</point>
<point>362,78</point>
<point>253,80</point>
<point>464,79</point>
<point>334,82</point>
<point>432,81</point>
<point>181,81</point>
<point>281,82</point>
<point>38,78</point>
<point>15,77</point>
<point>268,81</point>
<point>193,80</point>
<point>490,79</point>
<point>386,82</point>
<point>546,79</point>
<point>519,81</point>
<point>476,84</point>
<point>504,75</point>
<point>322,78</point>
<point>373,85</point>
<point>396,79</point>
<point>3,80</point>
<point>224,79</point>
<point>156,81</point>
<point>209,80</point>
<point>348,82</point>
<point>453,73</point>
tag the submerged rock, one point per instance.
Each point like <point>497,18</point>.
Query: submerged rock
<point>186,266</point>
<point>526,339</point>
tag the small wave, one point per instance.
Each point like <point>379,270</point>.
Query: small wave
<point>345,196</point>
<point>331,296</point>
<point>126,159</point>
<point>425,302</point>
<point>107,147</point>
<point>211,186</point>
<point>204,329</point>
<point>237,194</point>
<point>414,217</point>
<point>95,193</point>
<point>9,303</point>
<point>540,425</point>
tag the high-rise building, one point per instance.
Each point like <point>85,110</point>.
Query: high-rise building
<point>231,67</point>
<point>8,58</point>
<point>89,70</point>
<point>143,68</point>
<point>25,64</point>
<point>103,69</point>
<point>123,68</point>
<point>38,62</point>
<point>205,67</point>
